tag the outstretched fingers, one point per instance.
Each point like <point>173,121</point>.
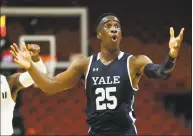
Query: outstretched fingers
<point>13,54</point>
<point>171,32</point>
<point>24,47</point>
<point>16,47</point>
<point>13,50</point>
<point>181,34</point>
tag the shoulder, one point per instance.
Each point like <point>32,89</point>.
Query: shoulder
<point>140,60</point>
<point>80,60</point>
<point>80,63</point>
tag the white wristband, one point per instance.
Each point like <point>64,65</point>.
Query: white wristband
<point>25,78</point>
<point>40,66</point>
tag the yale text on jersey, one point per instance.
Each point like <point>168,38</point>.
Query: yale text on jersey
<point>106,80</point>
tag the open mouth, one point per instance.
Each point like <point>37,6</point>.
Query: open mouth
<point>114,37</point>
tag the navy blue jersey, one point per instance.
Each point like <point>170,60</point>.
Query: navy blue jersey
<point>110,95</point>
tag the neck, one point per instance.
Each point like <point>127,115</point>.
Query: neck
<point>109,54</point>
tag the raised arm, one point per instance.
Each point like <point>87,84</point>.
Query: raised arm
<point>160,71</point>
<point>145,67</point>
<point>51,85</point>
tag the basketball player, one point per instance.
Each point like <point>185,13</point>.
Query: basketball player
<point>111,78</point>
<point>11,85</point>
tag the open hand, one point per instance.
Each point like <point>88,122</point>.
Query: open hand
<point>175,42</point>
<point>22,58</point>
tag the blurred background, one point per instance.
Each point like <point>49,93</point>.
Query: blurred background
<point>162,107</point>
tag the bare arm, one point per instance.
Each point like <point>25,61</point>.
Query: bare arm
<point>62,81</point>
<point>143,64</point>
<point>14,85</point>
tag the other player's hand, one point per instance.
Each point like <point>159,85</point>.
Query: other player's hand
<point>22,58</point>
<point>34,49</point>
<point>175,42</point>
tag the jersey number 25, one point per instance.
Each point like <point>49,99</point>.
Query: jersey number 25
<point>105,93</point>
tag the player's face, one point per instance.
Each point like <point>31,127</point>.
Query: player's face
<point>110,33</point>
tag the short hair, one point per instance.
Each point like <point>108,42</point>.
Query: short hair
<point>104,15</point>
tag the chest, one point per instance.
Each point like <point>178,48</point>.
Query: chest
<point>105,80</point>
<point>112,74</point>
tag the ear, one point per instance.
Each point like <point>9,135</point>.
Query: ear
<point>99,35</point>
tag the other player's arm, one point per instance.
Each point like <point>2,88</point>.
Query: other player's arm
<point>160,71</point>
<point>14,84</point>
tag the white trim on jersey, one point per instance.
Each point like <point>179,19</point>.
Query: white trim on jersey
<point>88,69</point>
<point>135,127</point>
<point>119,57</point>
<point>133,119</point>
<point>132,102</point>
<point>128,70</point>
<point>131,116</point>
